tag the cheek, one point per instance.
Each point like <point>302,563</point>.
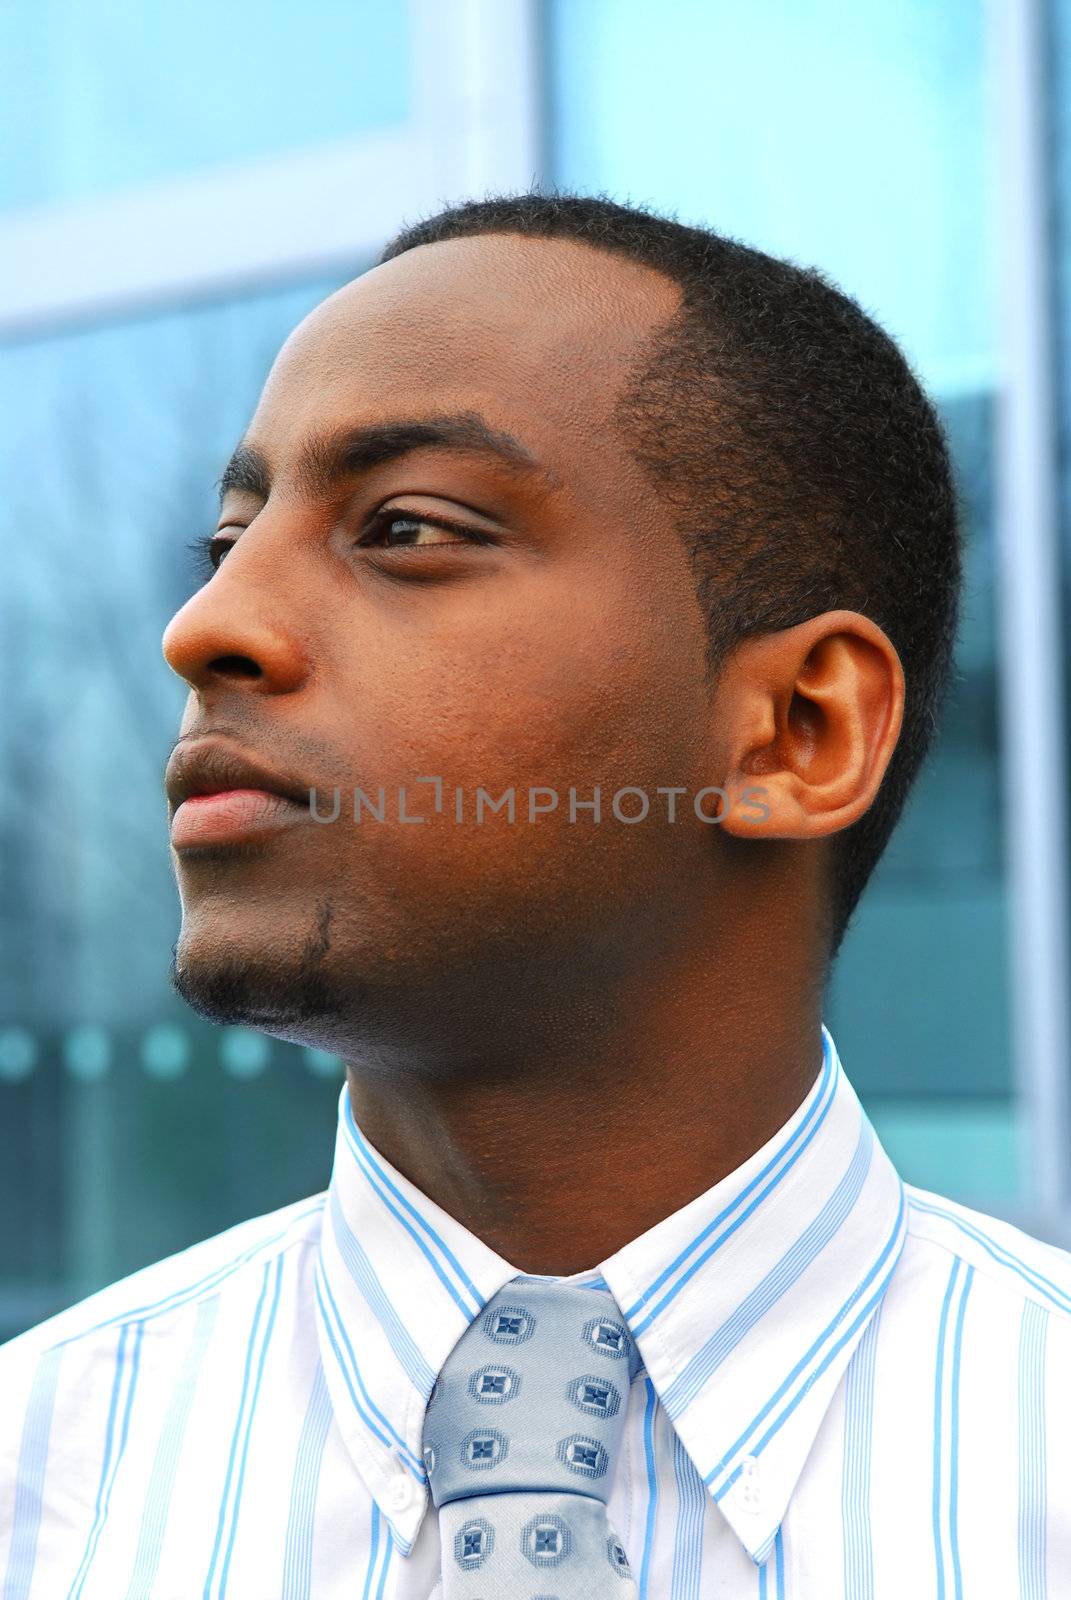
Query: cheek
<point>577,709</point>
<point>554,698</point>
<point>570,671</point>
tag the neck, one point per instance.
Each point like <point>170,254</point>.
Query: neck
<point>556,1153</point>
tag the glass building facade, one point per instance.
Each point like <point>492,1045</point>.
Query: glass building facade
<point>180,188</point>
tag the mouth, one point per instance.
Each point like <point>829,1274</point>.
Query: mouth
<point>218,795</point>
<point>231,816</point>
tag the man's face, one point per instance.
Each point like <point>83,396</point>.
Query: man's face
<point>565,653</point>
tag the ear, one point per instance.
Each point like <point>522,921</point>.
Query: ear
<point>806,722</point>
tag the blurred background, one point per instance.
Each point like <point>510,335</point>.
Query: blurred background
<point>179,185</point>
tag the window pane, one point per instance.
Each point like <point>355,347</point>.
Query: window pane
<point>130,1128</point>
<point>854,138</point>
<point>100,95</point>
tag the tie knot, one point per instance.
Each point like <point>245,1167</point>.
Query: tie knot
<point>533,1395</point>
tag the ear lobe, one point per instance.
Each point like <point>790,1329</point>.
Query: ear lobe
<point>812,715</point>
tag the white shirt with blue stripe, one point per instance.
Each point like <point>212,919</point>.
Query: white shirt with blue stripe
<point>851,1388</point>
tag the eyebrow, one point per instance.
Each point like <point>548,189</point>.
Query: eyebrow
<point>326,458</point>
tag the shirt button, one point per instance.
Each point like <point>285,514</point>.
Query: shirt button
<point>401,1492</point>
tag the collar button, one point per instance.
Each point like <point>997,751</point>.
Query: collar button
<point>749,1483</point>
<point>400,1493</point>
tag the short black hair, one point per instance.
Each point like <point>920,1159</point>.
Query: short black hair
<point>805,467</point>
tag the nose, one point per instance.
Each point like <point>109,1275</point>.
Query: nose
<point>239,631</point>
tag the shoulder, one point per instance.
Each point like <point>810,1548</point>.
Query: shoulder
<point>163,1294</point>
<point>959,1243</point>
<point>120,1361</point>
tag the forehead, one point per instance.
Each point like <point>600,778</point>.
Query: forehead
<point>537,334</point>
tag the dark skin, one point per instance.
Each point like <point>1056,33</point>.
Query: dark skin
<point>560,1032</point>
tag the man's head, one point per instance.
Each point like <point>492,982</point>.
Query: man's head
<point>731,521</point>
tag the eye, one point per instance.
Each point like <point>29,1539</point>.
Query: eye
<point>208,550</point>
<point>377,531</point>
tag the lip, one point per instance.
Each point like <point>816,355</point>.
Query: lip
<point>209,766</point>
<point>217,793</point>
<point>231,815</point>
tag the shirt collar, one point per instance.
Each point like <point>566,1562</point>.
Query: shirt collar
<point>746,1304</point>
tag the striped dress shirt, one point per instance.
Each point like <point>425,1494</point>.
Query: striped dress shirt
<point>851,1387</point>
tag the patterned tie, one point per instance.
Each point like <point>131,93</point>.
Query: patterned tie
<point>521,1438</point>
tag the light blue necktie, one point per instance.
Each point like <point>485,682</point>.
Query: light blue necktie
<point>521,1438</point>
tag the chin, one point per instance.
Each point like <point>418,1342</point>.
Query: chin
<point>289,995</point>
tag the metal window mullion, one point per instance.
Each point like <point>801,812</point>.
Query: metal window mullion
<point>1029,660</point>
<point>245,226</point>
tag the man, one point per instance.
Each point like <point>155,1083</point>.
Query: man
<point>584,594</point>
